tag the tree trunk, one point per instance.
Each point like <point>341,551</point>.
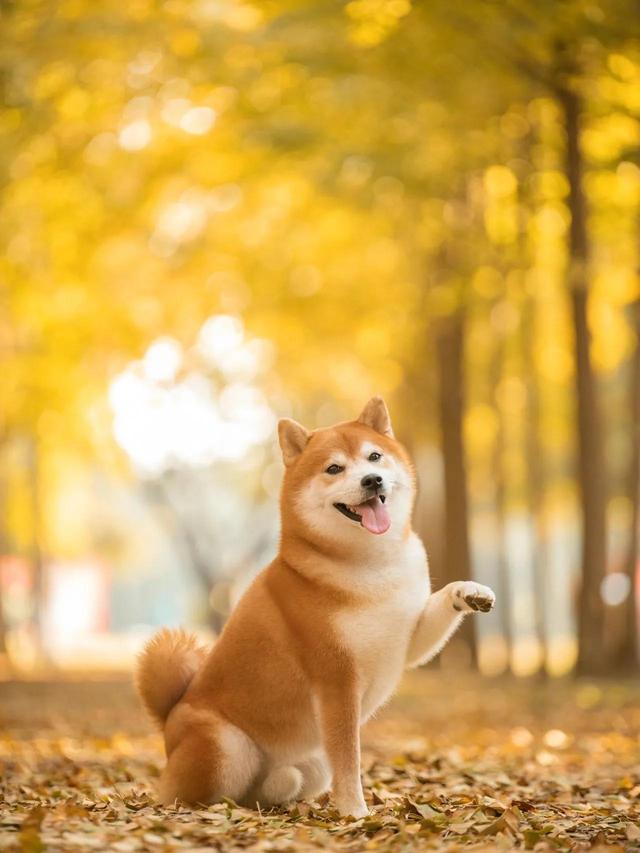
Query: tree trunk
<point>499,500</point>
<point>624,653</point>
<point>457,558</point>
<point>534,457</point>
<point>160,491</point>
<point>3,623</point>
<point>201,570</point>
<point>4,550</point>
<point>535,477</point>
<point>590,448</point>
<point>37,562</point>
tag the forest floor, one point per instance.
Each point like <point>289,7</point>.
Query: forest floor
<point>451,763</point>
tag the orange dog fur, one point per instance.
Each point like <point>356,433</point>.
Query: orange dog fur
<point>272,713</point>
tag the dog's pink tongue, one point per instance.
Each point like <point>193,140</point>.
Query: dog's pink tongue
<point>375,517</point>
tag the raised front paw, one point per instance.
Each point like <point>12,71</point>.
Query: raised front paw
<point>471,597</point>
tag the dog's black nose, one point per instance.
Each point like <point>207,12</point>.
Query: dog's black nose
<point>371,481</point>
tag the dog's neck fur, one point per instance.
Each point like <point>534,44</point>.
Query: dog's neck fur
<point>353,562</point>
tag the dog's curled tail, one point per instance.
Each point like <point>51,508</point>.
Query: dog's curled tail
<point>165,668</point>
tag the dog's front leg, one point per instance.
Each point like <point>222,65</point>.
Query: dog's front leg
<point>442,615</point>
<point>340,720</point>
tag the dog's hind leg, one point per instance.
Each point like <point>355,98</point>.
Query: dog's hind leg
<point>288,782</point>
<point>316,775</point>
<point>209,763</point>
<point>281,785</point>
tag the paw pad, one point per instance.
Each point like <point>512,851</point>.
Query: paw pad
<point>479,601</point>
<point>476,598</point>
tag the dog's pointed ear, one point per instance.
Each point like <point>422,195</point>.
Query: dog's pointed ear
<point>376,415</point>
<point>293,438</point>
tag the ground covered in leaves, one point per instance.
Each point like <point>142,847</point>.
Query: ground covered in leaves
<point>451,763</point>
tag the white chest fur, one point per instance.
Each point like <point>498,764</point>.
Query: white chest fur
<point>377,634</point>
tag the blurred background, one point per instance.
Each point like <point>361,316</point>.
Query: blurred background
<point>215,213</point>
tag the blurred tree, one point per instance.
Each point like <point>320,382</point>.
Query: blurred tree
<point>457,556</point>
<point>591,449</point>
<point>624,654</point>
<point>4,549</point>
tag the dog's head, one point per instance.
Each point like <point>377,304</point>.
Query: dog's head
<point>347,481</point>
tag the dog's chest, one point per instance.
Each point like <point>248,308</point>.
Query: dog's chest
<point>377,635</point>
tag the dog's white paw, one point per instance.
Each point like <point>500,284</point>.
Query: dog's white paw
<point>471,597</point>
<point>356,808</point>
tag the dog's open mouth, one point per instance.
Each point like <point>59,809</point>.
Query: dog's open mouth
<point>372,514</point>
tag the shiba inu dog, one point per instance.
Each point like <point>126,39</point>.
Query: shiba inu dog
<point>272,713</point>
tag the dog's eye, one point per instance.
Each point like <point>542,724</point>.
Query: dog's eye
<point>373,457</point>
<point>334,469</point>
